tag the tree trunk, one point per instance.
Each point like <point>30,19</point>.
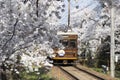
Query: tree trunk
<point>3,72</point>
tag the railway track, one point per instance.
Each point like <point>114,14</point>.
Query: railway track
<point>78,74</point>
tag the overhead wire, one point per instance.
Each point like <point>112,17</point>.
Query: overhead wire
<point>82,8</point>
<point>78,10</point>
<point>64,15</point>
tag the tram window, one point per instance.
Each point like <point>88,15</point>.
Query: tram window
<point>72,43</point>
<point>65,43</point>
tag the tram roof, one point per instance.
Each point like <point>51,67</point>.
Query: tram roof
<point>66,33</point>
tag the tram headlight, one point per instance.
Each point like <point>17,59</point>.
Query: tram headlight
<point>61,53</point>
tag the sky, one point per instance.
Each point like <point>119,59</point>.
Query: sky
<point>82,5</point>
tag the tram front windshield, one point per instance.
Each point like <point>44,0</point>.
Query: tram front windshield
<point>72,44</point>
<point>69,43</point>
<point>65,43</point>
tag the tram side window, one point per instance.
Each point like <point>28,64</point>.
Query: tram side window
<point>72,43</point>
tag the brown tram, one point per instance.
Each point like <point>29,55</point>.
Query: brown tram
<point>69,54</point>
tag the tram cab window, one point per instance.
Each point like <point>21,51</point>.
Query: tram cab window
<point>72,43</point>
<point>65,43</point>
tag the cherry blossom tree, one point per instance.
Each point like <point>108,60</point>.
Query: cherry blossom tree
<point>26,34</point>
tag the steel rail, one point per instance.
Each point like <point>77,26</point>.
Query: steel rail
<point>100,78</point>
<point>75,78</point>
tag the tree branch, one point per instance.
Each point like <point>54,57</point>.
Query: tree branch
<point>96,21</point>
<point>14,28</point>
<point>15,51</point>
<point>82,23</point>
<point>37,8</point>
<point>25,1</point>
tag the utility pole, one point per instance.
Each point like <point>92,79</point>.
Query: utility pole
<point>69,14</point>
<point>112,50</point>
